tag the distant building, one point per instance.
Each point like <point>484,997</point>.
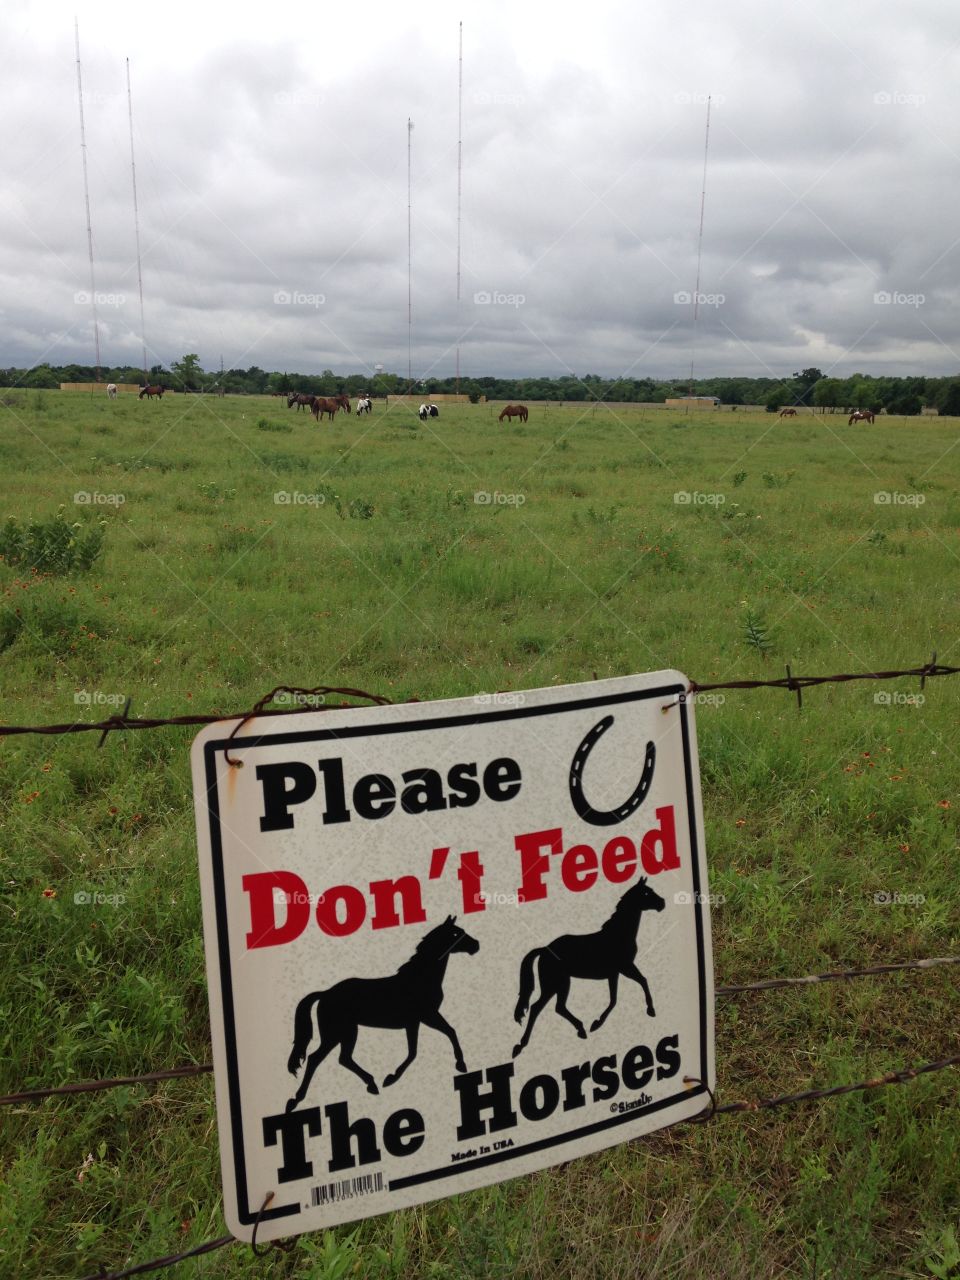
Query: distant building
<point>694,402</point>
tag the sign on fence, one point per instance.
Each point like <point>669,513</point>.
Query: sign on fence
<point>449,943</point>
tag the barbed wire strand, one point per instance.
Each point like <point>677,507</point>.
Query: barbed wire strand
<point>792,683</point>
<point>766,984</point>
<point>171,1260</point>
<point>836,975</point>
<point>728,1108</point>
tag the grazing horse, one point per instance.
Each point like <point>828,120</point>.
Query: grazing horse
<point>608,953</point>
<point>428,411</point>
<point>112,390</point>
<point>404,1001</point>
<point>787,413</point>
<point>321,406</point>
<point>150,392</point>
<point>343,400</point>
<point>860,415</point>
<point>515,411</point>
<point>364,405</point>
<point>301,401</point>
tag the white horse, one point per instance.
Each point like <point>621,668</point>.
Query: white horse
<point>364,405</point>
<point>424,412</point>
<point>112,390</point>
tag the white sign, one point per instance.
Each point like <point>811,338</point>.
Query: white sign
<point>449,943</point>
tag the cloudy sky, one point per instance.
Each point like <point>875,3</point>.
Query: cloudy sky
<point>271,154</point>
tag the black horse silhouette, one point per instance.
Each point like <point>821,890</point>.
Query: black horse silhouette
<point>404,1000</point>
<point>608,953</point>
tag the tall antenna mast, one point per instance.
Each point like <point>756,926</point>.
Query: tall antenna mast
<point>136,223</point>
<point>459,188</point>
<point>409,267</point>
<point>86,198</point>
<point>703,201</point>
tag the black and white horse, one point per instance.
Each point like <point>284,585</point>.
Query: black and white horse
<point>364,405</point>
<point>428,411</point>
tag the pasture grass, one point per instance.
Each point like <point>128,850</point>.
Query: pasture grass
<point>253,548</point>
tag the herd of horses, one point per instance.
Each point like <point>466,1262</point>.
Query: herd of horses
<point>330,405</point>
<point>856,415</point>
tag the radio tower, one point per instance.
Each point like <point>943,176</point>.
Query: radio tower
<point>409,267</point>
<point>703,202</point>
<point>459,188</point>
<point>136,224</point>
<point>86,199</point>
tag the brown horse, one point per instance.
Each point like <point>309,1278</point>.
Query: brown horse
<point>860,415</point>
<point>343,400</point>
<point>150,392</point>
<point>787,413</point>
<point>514,411</point>
<point>323,406</point>
<point>301,401</point>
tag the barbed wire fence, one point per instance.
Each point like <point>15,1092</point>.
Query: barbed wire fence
<point>315,698</point>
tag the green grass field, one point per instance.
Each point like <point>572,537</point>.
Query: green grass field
<point>381,570</point>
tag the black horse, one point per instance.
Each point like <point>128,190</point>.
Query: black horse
<point>606,954</point>
<point>404,1000</point>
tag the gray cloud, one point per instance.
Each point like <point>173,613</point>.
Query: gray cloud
<point>272,159</point>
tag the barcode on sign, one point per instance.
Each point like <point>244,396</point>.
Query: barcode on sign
<point>331,1192</point>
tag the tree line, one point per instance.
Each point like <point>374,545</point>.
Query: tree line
<point>808,387</point>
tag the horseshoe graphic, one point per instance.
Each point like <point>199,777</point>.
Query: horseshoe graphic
<point>597,817</point>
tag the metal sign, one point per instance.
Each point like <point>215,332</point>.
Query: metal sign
<point>449,943</point>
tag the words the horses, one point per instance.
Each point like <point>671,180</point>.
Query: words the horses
<point>491,1101</point>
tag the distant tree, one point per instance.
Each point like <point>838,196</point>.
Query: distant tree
<point>776,400</point>
<point>188,372</point>
<point>948,401</point>
<point>806,380</point>
<point>41,375</point>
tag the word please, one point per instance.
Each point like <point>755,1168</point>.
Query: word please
<point>375,795</point>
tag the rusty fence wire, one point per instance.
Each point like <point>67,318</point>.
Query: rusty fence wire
<point>309,697</point>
